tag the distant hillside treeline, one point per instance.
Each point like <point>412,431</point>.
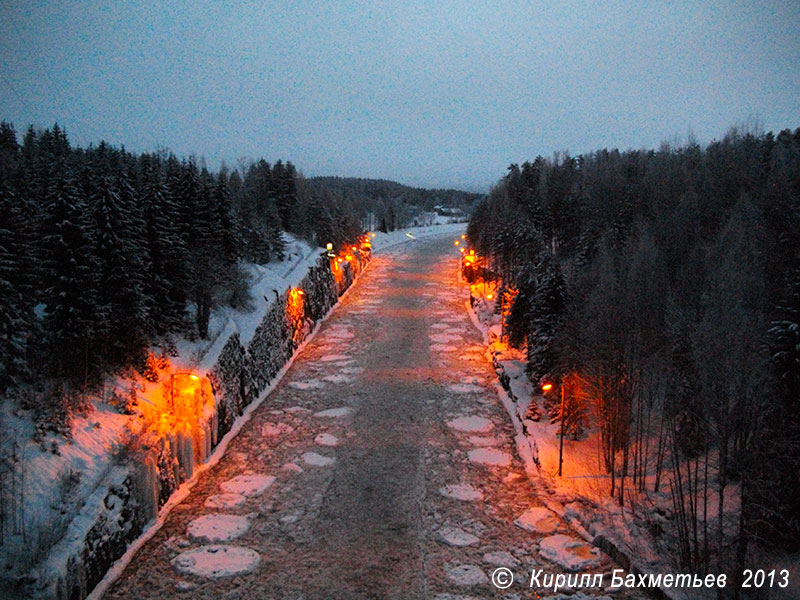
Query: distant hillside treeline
<point>662,289</point>
<point>104,252</point>
<point>390,205</point>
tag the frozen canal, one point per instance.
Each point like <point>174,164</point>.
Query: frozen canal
<point>382,466</point>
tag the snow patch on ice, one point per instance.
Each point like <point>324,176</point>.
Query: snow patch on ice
<point>226,500</point>
<point>538,519</point>
<point>467,575</point>
<point>337,378</point>
<point>275,429</point>
<point>217,560</point>
<point>317,460</point>
<point>309,384</point>
<point>334,357</point>
<point>443,338</point>
<point>293,467</point>
<point>342,411</point>
<point>465,388</point>
<point>455,536</point>
<point>341,334</point>
<point>461,491</point>
<point>440,326</point>
<point>569,553</point>
<point>326,439</point>
<point>352,370</point>
<point>217,528</point>
<point>471,424</point>
<point>247,485</point>
<point>476,440</point>
<point>443,348</point>
<point>500,559</point>
<point>490,456</point>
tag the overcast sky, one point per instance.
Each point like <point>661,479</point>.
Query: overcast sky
<point>431,93</point>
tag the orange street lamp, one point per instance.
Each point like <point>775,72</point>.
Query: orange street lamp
<point>547,387</point>
<point>172,377</point>
<point>455,243</point>
<point>463,236</point>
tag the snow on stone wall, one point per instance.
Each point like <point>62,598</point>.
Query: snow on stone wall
<point>160,462</point>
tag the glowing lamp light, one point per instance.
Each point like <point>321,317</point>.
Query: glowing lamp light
<point>329,247</point>
<point>349,257</point>
<point>372,235</point>
<point>472,252</point>
<point>462,250</point>
<point>194,377</point>
<point>455,243</point>
<point>547,387</point>
<point>463,236</point>
<point>489,296</point>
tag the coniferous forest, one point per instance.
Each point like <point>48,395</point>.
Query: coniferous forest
<point>661,289</point>
<point>104,253</point>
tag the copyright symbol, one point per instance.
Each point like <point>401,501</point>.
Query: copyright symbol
<point>502,578</point>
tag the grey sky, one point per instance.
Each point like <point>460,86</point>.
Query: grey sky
<point>430,93</point>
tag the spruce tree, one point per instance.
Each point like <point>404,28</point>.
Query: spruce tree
<point>545,314</point>
<point>16,300</point>
<point>167,277</point>
<point>118,239</point>
<point>74,315</point>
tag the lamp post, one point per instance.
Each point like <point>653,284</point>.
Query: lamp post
<point>547,387</point>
